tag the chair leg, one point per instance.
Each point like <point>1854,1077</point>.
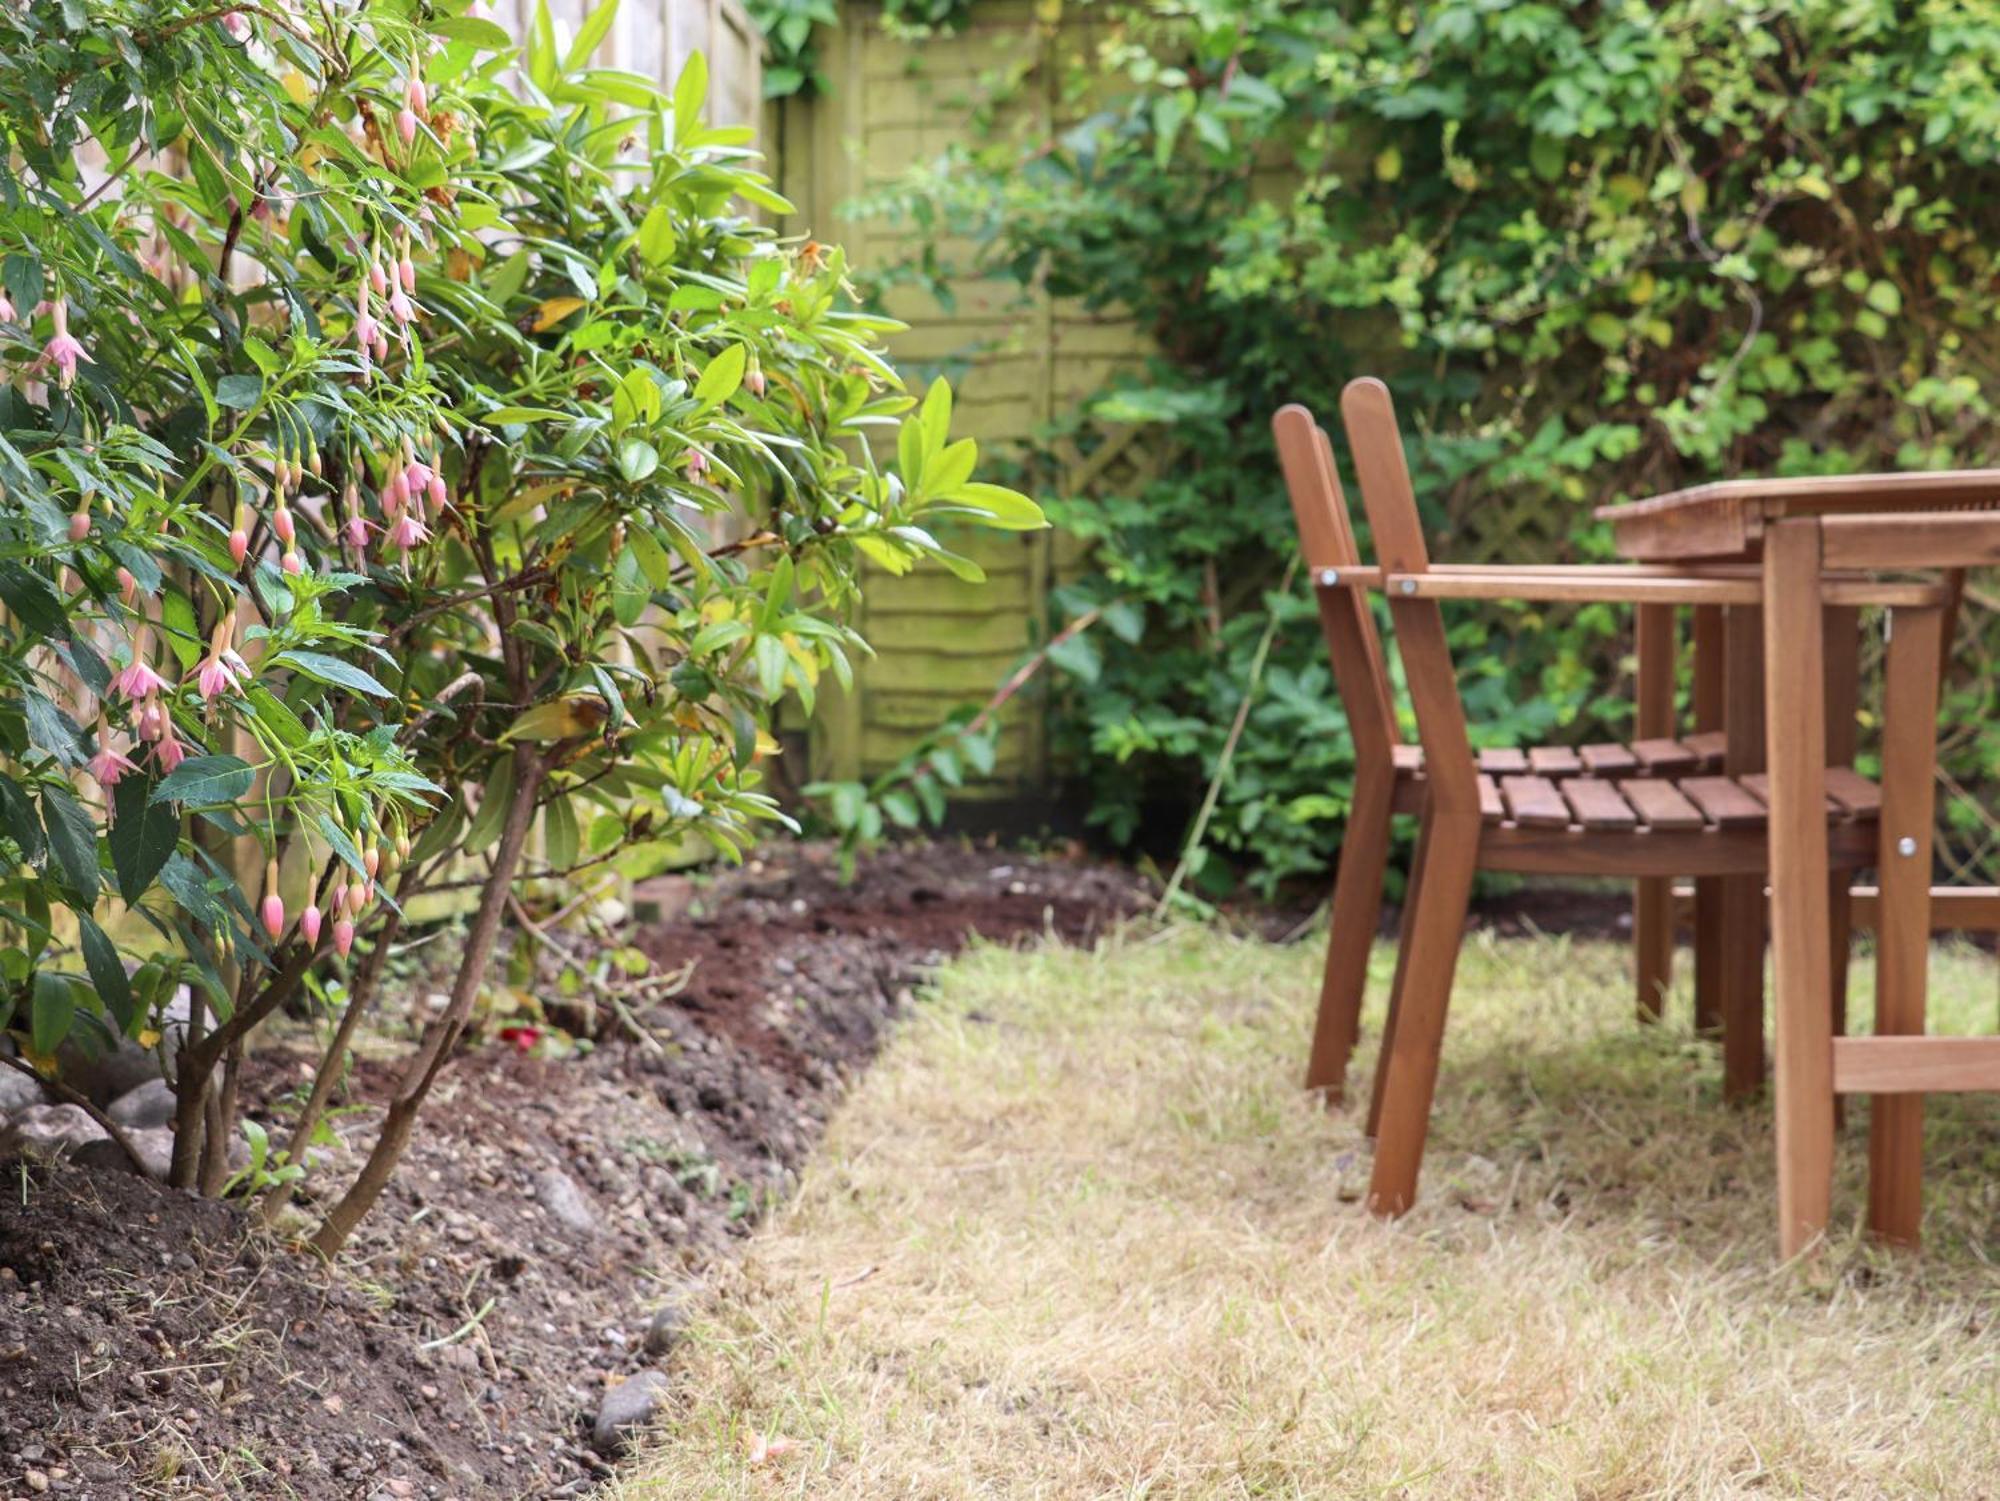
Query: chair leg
<point>1840,943</point>
<point>1431,955</point>
<point>1740,951</point>
<point>1357,910</point>
<point>1653,945</point>
<point>1902,923</point>
<point>1653,902</point>
<point>1404,937</point>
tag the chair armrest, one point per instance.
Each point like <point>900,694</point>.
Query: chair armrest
<point>1596,586</point>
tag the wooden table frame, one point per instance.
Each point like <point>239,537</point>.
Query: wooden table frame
<point>1796,530</point>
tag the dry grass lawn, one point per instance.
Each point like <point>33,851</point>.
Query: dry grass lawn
<point>1078,1235</point>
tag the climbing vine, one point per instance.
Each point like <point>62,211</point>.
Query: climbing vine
<point>1598,251</point>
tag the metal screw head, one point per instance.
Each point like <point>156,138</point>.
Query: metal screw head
<point>1906,846</point>
<point>1329,578</point>
<point>1409,586</point>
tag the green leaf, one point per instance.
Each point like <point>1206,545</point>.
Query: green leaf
<point>182,631</point>
<point>337,839</point>
<point>637,459</point>
<point>561,838</point>
<point>501,416</point>
<point>723,376</point>
<point>19,815</point>
<point>53,1011</point>
<point>690,93</point>
<point>593,31</point>
<point>34,602</point>
<point>997,506</point>
<point>484,830</point>
<point>107,971</point>
<point>238,392</point>
<point>657,239</point>
<point>486,35</point>
<point>72,840</point>
<point>206,782</point>
<point>332,670</point>
<point>142,836</point>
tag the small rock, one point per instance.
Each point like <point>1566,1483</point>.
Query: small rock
<point>151,1104</point>
<point>563,1199</point>
<point>37,1481</point>
<point>665,1327</point>
<point>18,1092</point>
<point>625,1409</point>
<point>155,1146</point>
<point>49,1130</point>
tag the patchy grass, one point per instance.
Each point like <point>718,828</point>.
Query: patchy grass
<point>1079,1235</point>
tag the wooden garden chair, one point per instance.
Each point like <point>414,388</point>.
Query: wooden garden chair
<point>1530,822</point>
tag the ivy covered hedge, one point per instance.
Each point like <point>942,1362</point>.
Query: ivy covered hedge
<point>1597,250</point>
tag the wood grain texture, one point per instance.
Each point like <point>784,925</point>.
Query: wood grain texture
<point>1795,716</point>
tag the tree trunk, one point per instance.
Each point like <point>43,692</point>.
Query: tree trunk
<point>443,1033</point>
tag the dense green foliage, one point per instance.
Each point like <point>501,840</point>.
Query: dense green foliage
<point>1597,250</point>
<point>402,454</point>
<point>791,31</point>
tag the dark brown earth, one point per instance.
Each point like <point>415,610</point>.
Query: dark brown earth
<point>153,1344</point>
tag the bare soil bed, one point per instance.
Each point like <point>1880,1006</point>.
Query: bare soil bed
<point>544,1241</point>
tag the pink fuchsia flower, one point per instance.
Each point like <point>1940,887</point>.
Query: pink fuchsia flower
<point>343,935</point>
<point>416,475</point>
<point>63,351</point>
<point>237,25</point>
<point>239,537</point>
<point>222,668</point>
<point>406,272</point>
<point>378,279</point>
<point>406,125</point>
<point>168,752</point>
<point>282,523</point>
<point>79,521</point>
<point>408,532</point>
<point>292,563</point>
<point>138,681</point>
<point>309,921</point>
<point>400,307</point>
<point>414,96</point>
<point>697,463</point>
<point>439,495</point>
<point>108,765</point>
<point>358,527</point>
<point>273,909</point>
<point>152,720</point>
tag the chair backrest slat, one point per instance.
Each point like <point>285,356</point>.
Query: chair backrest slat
<point>1390,498</point>
<point>1326,535</point>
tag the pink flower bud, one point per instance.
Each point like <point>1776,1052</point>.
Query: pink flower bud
<point>281,523</point>
<point>79,521</point>
<point>400,306</point>
<point>378,280</point>
<point>6,308</point>
<point>239,545</point>
<point>371,860</point>
<point>406,126</point>
<point>292,563</point>
<point>274,914</point>
<point>406,271</point>
<point>128,587</point>
<point>414,96</point>
<point>753,379</point>
<point>309,921</point>
<point>439,495</point>
<point>343,935</point>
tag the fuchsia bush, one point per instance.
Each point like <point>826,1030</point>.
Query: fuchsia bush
<point>406,445</point>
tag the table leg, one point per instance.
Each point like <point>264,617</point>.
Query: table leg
<point>1902,928</point>
<point>1740,949</point>
<point>1795,702</point>
<point>1843,701</point>
<point>1653,898</point>
<point>1710,668</point>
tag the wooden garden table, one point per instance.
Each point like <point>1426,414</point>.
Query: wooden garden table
<point>1796,529</point>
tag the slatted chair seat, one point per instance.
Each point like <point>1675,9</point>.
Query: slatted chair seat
<point>1689,755</point>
